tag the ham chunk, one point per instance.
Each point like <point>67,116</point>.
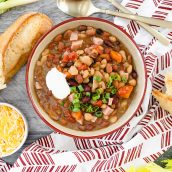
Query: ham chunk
<point>97,41</point>
<point>74,36</point>
<point>76,44</point>
<point>107,111</point>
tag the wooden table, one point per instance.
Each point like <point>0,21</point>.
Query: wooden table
<point>16,93</point>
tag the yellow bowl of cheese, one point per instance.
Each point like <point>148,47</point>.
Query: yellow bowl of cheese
<point>13,129</point>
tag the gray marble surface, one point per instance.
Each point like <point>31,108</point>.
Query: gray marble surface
<point>16,93</point>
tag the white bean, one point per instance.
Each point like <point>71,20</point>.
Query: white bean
<point>88,116</point>
<point>73,70</point>
<point>85,74</point>
<point>123,54</point>
<point>132,82</point>
<point>113,119</point>
<point>129,69</point>
<point>80,52</point>
<point>112,38</point>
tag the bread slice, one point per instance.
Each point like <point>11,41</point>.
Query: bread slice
<point>165,99</point>
<point>17,42</point>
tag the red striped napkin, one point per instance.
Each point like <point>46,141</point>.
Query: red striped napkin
<point>142,140</point>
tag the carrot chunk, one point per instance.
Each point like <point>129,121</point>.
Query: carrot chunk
<point>77,115</point>
<point>125,91</point>
<point>116,56</point>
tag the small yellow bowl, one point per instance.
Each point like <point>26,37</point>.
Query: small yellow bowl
<point>25,130</point>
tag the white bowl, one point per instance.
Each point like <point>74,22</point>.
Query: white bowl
<point>124,38</point>
<point>26,128</point>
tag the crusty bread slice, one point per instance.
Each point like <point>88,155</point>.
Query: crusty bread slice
<point>165,99</point>
<point>17,42</point>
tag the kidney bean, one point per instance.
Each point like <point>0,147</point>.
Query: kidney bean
<point>99,121</point>
<point>134,74</point>
<point>82,127</point>
<point>115,100</point>
<point>108,68</point>
<point>116,46</point>
<point>99,31</point>
<point>108,43</point>
<point>68,115</point>
<point>89,127</point>
<point>82,28</point>
<point>79,78</point>
<point>86,99</point>
<point>72,82</point>
<point>104,124</point>
<point>87,88</point>
<point>55,60</point>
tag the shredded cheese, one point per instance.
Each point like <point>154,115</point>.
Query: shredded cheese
<point>12,129</point>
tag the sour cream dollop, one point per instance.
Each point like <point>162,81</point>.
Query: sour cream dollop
<point>56,82</point>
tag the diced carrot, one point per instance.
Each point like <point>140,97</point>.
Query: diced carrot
<point>68,75</point>
<point>105,56</point>
<point>98,103</point>
<point>65,59</point>
<point>72,56</point>
<point>125,91</point>
<point>77,115</point>
<point>116,56</point>
<point>83,67</point>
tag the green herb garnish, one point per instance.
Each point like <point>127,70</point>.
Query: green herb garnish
<point>73,89</point>
<point>124,79</point>
<point>97,78</point>
<point>95,97</point>
<point>107,95</point>
<point>80,87</point>
<point>88,94</point>
<point>98,114</point>
<point>113,90</point>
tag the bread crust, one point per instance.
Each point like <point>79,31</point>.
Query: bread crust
<point>165,99</point>
<point>7,39</point>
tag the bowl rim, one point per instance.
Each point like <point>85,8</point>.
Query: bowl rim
<point>28,67</point>
<point>26,128</point>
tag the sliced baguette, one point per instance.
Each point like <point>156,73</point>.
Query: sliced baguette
<point>17,42</point>
<point>165,99</point>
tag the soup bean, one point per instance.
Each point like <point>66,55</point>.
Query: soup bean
<point>86,99</point>
<point>113,119</point>
<point>88,116</point>
<point>134,74</point>
<point>99,31</point>
<point>79,78</point>
<point>85,74</point>
<point>108,43</point>
<point>129,69</point>
<point>112,38</point>
<point>108,68</point>
<point>86,80</point>
<point>132,82</point>
<point>104,124</point>
<point>123,54</point>
<point>91,32</point>
<point>87,88</point>
<point>82,28</point>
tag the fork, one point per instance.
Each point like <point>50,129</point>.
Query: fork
<point>154,32</point>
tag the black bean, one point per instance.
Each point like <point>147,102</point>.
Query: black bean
<point>82,28</point>
<point>99,31</point>
<point>86,99</point>
<point>87,88</point>
<point>69,64</point>
<point>108,43</point>
<point>134,74</point>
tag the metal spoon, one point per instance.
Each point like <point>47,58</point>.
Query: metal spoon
<point>81,8</point>
<point>151,30</point>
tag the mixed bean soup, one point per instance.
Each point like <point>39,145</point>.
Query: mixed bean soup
<point>101,75</point>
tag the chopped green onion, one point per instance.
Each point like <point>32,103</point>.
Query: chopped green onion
<point>97,78</point>
<point>62,103</point>
<point>99,91</point>
<point>113,90</point>
<point>95,108</point>
<point>75,101</point>
<point>80,87</point>
<point>107,95</point>
<point>77,95</point>
<point>98,114</point>
<point>76,109</point>
<point>95,97</point>
<point>104,100</point>
<point>124,79</point>
<point>88,94</point>
<point>115,77</point>
<point>73,89</point>
<point>89,109</point>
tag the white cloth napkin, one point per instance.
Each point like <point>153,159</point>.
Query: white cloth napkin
<point>151,127</point>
